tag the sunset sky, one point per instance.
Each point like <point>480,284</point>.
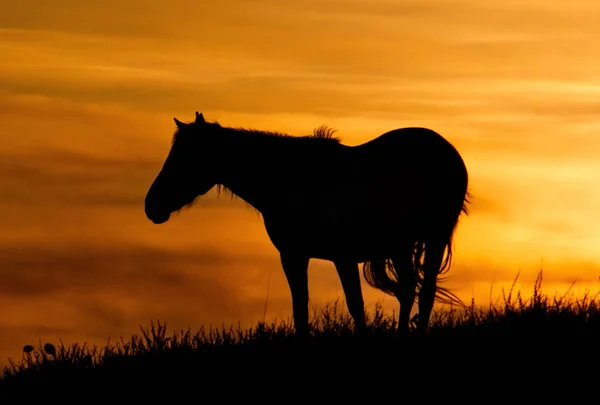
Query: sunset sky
<point>88,92</point>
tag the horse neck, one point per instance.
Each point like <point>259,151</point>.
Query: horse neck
<point>250,166</point>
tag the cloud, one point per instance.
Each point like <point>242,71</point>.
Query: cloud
<point>73,178</point>
<point>459,62</point>
<point>31,271</point>
<point>112,283</point>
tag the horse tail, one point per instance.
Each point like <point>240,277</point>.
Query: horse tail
<point>442,294</point>
<point>381,274</point>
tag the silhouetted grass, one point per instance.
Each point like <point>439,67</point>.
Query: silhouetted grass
<point>157,356</point>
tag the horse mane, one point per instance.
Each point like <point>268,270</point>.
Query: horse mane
<point>320,134</point>
<point>325,132</point>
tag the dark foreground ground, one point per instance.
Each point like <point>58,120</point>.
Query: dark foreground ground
<point>521,341</point>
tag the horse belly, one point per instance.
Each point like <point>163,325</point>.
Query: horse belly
<point>347,244</point>
<point>356,226</point>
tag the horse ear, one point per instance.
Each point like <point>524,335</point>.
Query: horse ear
<point>199,118</point>
<point>178,123</point>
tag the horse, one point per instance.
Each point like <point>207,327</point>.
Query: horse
<point>392,203</point>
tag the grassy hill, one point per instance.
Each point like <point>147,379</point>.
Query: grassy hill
<point>157,360</point>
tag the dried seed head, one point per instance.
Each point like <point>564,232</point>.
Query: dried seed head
<point>50,349</point>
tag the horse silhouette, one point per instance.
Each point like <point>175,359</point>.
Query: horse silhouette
<point>392,203</point>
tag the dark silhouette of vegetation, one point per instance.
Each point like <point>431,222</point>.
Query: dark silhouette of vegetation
<point>392,203</point>
<point>269,350</point>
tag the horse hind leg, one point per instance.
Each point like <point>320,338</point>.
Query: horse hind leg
<point>434,256</point>
<point>350,278</point>
<point>405,290</point>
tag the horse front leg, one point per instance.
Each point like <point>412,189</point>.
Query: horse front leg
<point>350,278</point>
<point>296,272</point>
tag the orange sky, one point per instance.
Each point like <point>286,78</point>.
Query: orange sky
<point>88,91</point>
